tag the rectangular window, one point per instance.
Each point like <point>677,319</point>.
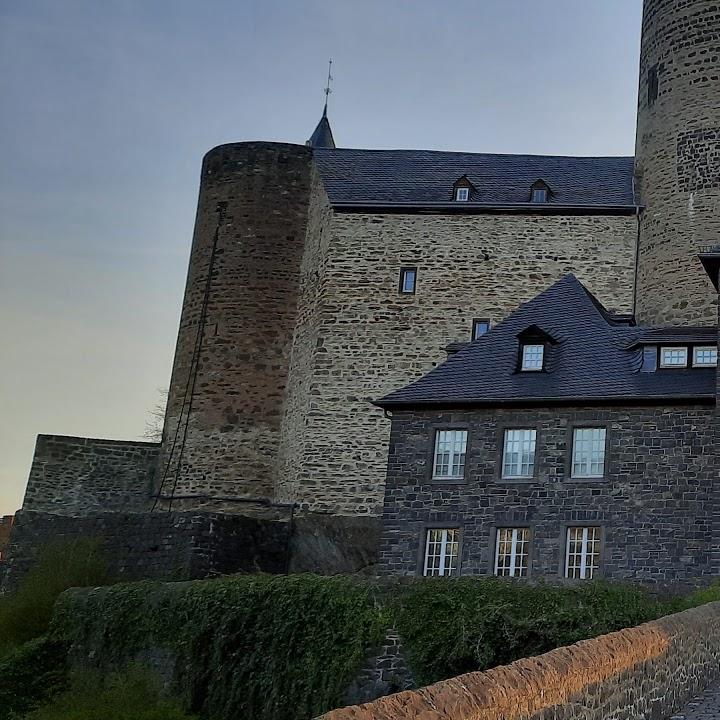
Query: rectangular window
<point>582,555</point>
<point>450,446</point>
<point>519,454</point>
<point>673,357</point>
<point>480,327</point>
<point>462,194</point>
<point>705,356</point>
<point>532,357</point>
<point>441,552</point>
<point>588,452</point>
<point>408,278</point>
<point>539,195</point>
<point>511,552</point>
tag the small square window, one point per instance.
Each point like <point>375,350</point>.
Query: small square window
<point>705,356</point>
<point>462,194</point>
<point>441,552</point>
<point>588,452</point>
<point>539,195</point>
<point>582,552</point>
<point>408,280</point>
<point>449,457</point>
<point>512,548</point>
<point>480,328</point>
<point>519,454</point>
<point>533,357</point>
<point>673,357</point>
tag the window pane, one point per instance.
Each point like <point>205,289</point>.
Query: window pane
<point>511,553</point>
<point>532,357</point>
<point>519,454</point>
<point>705,356</point>
<point>407,282</point>
<point>582,557</point>
<point>450,447</point>
<point>588,453</point>
<point>441,552</point>
<point>480,327</point>
<point>462,194</point>
<point>673,357</point>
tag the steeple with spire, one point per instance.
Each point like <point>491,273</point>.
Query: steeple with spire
<point>322,136</point>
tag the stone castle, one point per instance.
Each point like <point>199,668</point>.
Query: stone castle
<point>321,279</point>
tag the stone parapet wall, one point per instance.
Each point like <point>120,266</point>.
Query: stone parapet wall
<point>157,545</point>
<point>77,476</point>
<point>644,672</point>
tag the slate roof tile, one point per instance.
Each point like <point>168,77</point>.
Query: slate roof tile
<point>594,360</point>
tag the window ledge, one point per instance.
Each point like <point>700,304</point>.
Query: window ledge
<point>517,480</point>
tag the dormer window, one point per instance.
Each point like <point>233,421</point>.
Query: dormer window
<point>462,194</point>
<point>532,358</point>
<point>539,192</point>
<point>673,357</point>
<point>462,189</point>
<point>705,356</point>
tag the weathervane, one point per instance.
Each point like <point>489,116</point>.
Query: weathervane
<point>327,90</point>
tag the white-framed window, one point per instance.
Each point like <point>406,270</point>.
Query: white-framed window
<point>539,195</point>
<point>533,356</point>
<point>512,548</point>
<point>462,194</point>
<point>705,356</point>
<point>582,553</point>
<point>449,457</point>
<point>480,327</point>
<point>673,357</point>
<point>519,453</point>
<point>441,551</point>
<point>588,452</point>
<point>408,279</point>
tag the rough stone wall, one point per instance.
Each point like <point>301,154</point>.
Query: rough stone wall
<point>368,339</point>
<point>156,545</point>
<point>644,672</point>
<point>655,505</point>
<point>678,159</point>
<point>6,523</point>
<point>77,476</point>
<point>233,432</point>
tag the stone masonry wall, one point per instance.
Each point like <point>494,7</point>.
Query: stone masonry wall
<point>77,476</point>
<point>359,338</point>
<point>156,545</point>
<point>678,159</point>
<point>6,523</point>
<point>655,505</point>
<point>645,672</point>
<point>262,190</point>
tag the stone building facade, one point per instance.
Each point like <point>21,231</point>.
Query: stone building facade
<point>321,279</point>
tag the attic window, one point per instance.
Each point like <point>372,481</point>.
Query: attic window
<point>539,195</point>
<point>532,358</point>
<point>462,194</point>
<point>705,356</point>
<point>673,357</point>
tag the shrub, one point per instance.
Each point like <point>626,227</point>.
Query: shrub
<point>26,613</point>
<point>128,695</point>
<point>31,674</point>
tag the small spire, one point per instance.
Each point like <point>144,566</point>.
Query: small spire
<point>322,136</point>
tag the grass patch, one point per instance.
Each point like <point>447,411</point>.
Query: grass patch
<point>26,613</point>
<point>131,694</point>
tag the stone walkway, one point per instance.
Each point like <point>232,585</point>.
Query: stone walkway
<point>704,707</point>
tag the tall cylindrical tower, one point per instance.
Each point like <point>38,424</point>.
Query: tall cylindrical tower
<point>678,160</point>
<point>233,349</point>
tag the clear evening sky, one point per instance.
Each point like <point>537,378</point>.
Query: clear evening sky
<point>106,109</point>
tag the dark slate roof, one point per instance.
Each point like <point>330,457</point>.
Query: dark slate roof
<point>322,136</point>
<point>659,336</point>
<point>426,176</point>
<point>592,361</point>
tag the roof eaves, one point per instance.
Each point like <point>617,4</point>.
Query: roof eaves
<point>475,207</point>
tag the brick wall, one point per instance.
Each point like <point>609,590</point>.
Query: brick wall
<point>678,159</point>
<point>157,545</point>
<point>645,672</point>
<point>654,506</point>
<point>77,476</point>
<point>358,338</point>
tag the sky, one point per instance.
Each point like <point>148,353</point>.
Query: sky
<point>106,109</point>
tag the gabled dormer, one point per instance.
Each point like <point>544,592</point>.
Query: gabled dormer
<point>540,192</point>
<point>534,346</point>
<point>463,189</point>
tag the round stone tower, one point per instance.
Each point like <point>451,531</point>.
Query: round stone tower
<point>678,160</point>
<point>232,356</point>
